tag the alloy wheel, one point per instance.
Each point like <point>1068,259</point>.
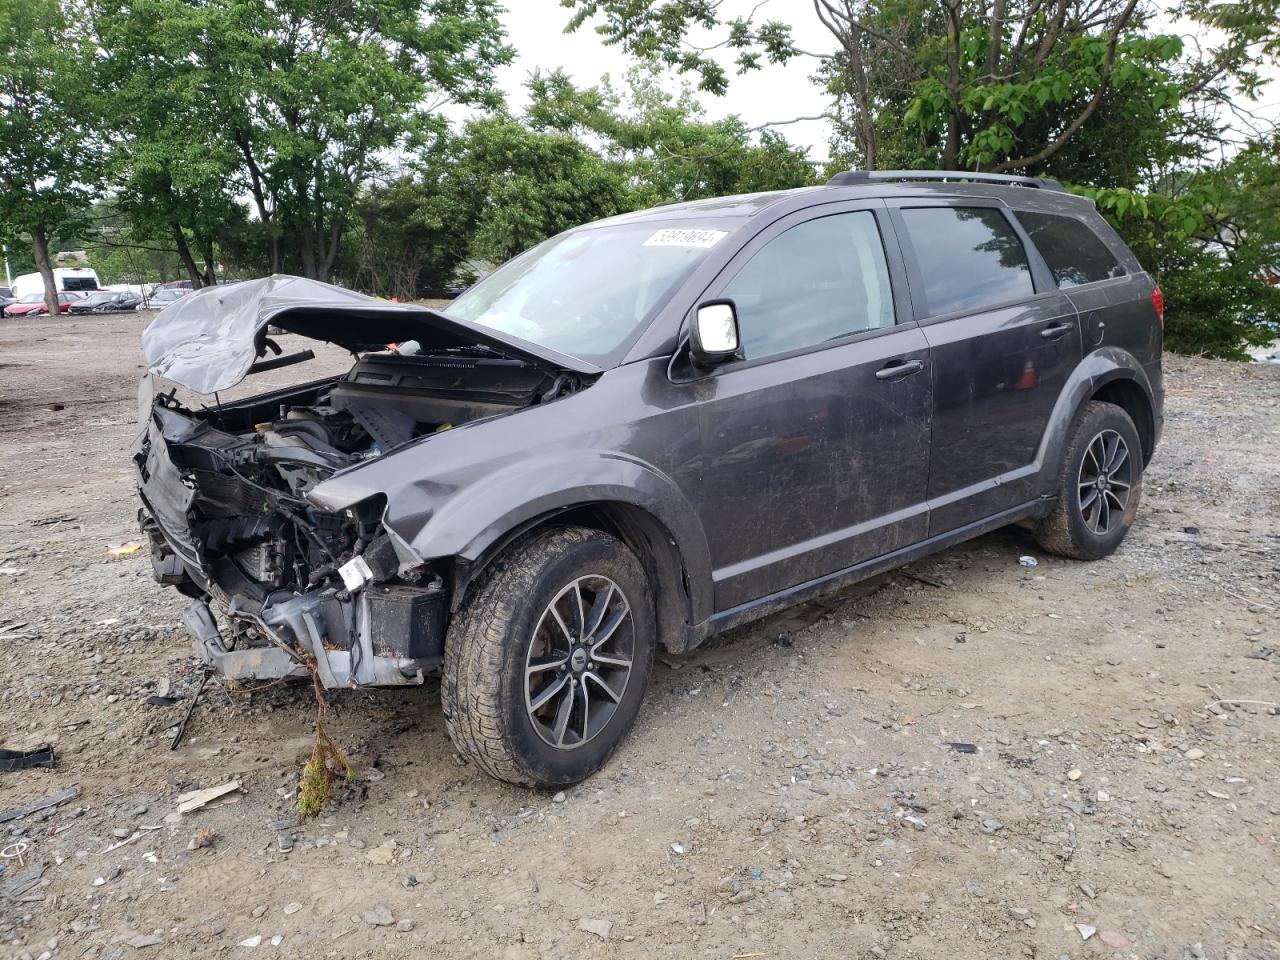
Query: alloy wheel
<point>579,661</point>
<point>1106,474</point>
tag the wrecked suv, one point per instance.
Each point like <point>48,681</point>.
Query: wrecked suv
<point>641,433</point>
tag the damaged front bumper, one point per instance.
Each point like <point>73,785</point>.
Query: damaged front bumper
<point>379,631</point>
<point>383,637</point>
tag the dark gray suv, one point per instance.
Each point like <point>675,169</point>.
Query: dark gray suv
<point>641,433</point>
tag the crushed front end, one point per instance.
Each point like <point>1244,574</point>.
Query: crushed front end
<point>232,493</point>
<point>278,583</point>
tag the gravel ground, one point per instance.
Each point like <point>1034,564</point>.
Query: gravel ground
<point>793,790</point>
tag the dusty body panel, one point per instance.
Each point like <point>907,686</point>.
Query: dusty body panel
<point>760,482</point>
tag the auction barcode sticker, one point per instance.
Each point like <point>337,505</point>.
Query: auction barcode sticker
<point>685,238</point>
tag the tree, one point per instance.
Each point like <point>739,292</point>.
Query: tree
<point>668,148</point>
<point>49,157</point>
<point>307,97</point>
<point>407,237</point>
<point>173,177</point>
<point>948,84</point>
<point>526,184</point>
<point>1212,240</point>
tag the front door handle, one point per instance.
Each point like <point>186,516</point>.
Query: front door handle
<point>897,369</point>
<point>1056,330</point>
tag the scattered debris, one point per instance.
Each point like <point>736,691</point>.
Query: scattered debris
<point>383,854</point>
<point>379,916</point>
<point>317,773</point>
<point>182,725</point>
<point>157,701</point>
<point>962,747</point>
<point>600,928</point>
<point>62,796</point>
<point>143,941</point>
<point>125,549</point>
<point>1086,931</point>
<point>11,760</point>
<point>203,837</point>
<point>20,883</point>
<point>1029,562</point>
<point>195,799</point>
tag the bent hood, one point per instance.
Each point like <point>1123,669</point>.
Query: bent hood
<point>208,340</point>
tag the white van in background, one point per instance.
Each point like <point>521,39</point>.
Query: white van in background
<point>71,279</point>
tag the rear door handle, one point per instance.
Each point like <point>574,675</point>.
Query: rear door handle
<point>897,369</point>
<point>1056,330</point>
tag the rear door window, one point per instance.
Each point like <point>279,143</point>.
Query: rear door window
<point>968,258</point>
<point>1073,252</point>
<point>820,280</point>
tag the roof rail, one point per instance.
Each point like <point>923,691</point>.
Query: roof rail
<point>850,178</point>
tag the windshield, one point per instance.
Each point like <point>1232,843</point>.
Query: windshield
<point>589,292</point>
<point>101,297</point>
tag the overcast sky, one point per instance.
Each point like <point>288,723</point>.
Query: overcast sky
<point>536,30</point>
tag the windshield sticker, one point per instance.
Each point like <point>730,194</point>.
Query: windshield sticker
<point>685,238</point>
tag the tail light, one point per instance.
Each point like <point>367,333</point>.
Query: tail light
<point>1157,301</point>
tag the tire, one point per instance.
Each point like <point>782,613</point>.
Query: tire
<point>508,626</point>
<point>1078,528</point>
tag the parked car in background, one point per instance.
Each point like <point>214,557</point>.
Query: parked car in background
<point>642,433</point>
<point>6,297</point>
<point>33,304</point>
<point>69,279</point>
<point>162,297</point>
<point>106,301</point>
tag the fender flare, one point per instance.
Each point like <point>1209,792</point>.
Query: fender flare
<point>485,516</point>
<point>1102,366</point>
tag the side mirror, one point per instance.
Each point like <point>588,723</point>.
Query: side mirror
<point>713,337</point>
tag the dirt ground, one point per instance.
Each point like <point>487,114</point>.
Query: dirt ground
<point>788,792</point>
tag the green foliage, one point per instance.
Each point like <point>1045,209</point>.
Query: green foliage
<point>503,183</point>
<point>657,30</point>
<point>1212,241</point>
<point>406,239</point>
<point>295,104</point>
<point>49,159</point>
<point>525,185</point>
<point>667,148</point>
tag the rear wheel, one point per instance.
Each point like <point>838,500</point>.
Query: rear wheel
<point>1099,488</point>
<point>547,663</point>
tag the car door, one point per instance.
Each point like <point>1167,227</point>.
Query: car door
<point>1003,341</point>
<point>814,446</point>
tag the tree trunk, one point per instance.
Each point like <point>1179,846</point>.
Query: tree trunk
<point>210,269</point>
<point>866,121</point>
<point>306,253</point>
<point>40,253</point>
<point>184,254</point>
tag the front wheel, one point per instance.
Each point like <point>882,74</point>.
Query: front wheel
<point>1100,486</point>
<point>547,663</point>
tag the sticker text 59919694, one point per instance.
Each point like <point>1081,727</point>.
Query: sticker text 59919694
<point>684,238</point>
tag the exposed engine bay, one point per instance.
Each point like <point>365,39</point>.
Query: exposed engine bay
<point>282,586</point>
<point>252,463</point>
